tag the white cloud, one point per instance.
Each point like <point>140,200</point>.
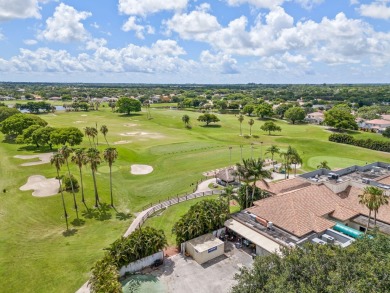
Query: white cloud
<point>257,3</point>
<point>19,9</point>
<point>94,44</point>
<point>195,25</point>
<point>30,42</point>
<point>144,7</point>
<point>308,4</point>
<point>131,25</point>
<point>65,25</point>
<point>220,62</point>
<point>377,9</point>
<point>95,25</point>
<point>162,56</point>
<point>353,2</point>
<point>2,37</point>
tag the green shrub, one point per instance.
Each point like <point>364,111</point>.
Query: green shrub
<point>383,146</point>
<point>66,183</point>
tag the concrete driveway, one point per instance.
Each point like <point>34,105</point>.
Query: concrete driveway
<point>183,275</point>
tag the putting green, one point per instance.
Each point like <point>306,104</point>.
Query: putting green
<point>334,162</point>
<point>142,284</point>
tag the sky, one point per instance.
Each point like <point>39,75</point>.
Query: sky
<point>193,41</point>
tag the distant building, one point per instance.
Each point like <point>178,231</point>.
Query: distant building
<point>315,117</point>
<point>378,125</point>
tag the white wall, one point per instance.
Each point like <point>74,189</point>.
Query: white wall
<point>141,263</point>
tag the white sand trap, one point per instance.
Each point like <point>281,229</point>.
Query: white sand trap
<point>79,121</point>
<point>41,185</point>
<point>141,169</point>
<point>43,159</point>
<point>143,134</point>
<point>122,142</point>
<point>84,115</point>
<point>130,124</point>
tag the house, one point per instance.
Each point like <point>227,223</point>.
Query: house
<point>386,117</point>
<point>319,207</point>
<point>379,125</point>
<point>315,117</point>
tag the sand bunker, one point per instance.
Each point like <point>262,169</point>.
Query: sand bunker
<point>79,121</point>
<point>141,169</point>
<point>143,134</point>
<point>43,159</point>
<point>41,185</point>
<point>84,115</point>
<point>122,142</point>
<point>130,124</point>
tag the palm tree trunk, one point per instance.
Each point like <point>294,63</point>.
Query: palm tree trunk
<point>240,130</point>
<point>74,195</point>
<point>246,195</point>
<point>112,199</point>
<point>106,140</point>
<point>368,222</point>
<point>89,138</point>
<point>295,169</point>
<point>63,201</point>
<point>250,130</point>
<point>96,192</point>
<point>82,187</point>
<point>375,217</point>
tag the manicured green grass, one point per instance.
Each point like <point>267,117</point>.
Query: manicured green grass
<point>34,254</point>
<point>334,162</point>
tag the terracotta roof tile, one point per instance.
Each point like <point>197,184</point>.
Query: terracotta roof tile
<point>284,185</point>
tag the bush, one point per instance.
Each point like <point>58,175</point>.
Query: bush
<point>383,146</point>
<point>66,183</point>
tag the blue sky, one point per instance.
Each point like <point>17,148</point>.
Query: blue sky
<point>192,41</point>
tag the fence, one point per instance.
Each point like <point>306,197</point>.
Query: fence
<point>141,263</point>
<point>175,200</point>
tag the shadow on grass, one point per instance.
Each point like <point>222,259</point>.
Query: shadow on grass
<point>121,216</point>
<point>78,222</point>
<point>70,232</point>
<point>130,115</point>
<point>102,213</point>
<point>34,149</point>
<point>211,126</point>
<point>255,136</point>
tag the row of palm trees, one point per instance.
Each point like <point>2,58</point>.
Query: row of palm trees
<point>82,157</point>
<point>250,122</point>
<point>289,157</point>
<point>92,132</point>
<point>373,198</point>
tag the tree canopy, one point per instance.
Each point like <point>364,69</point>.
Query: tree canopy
<point>208,118</point>
<point>361,267</point>
<point>128,105</point>
<point>15,124</point>
<point>69,135</point>
<point>203,217</point>
<point>6,112</point>
<point>386,133</point>
<point>270,126</point>
<point>295,114</point>
<point>264,110</point>
<point>340,117</point>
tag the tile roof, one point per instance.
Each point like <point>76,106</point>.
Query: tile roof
<point>283,186</point>
<point>378,121</point>
<point>385,180</point>
<point>305,210</point>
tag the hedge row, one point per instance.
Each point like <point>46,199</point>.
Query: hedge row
<point>383,146</point>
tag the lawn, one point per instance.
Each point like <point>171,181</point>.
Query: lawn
<point>34,254</point>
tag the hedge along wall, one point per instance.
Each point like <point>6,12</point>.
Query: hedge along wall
<point>383,146</point>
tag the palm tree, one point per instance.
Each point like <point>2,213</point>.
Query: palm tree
<point>258,173</point>
<point>110,155</point>
<point>244,172</point>
<point>104,131</point>
<point>323,165</point>
<point>367,198</point>
<point>240,119</point>
<point>273,149</point>
<point>251,122</point>
<point>295,158</point>
<point>65,151</point>
<point>380,199</point>
<point>88,132</point>
<point>79,159</point>
<point>228,193</point>
<point>285,156</point>
<point>93,159</point>
<point>58,160</point>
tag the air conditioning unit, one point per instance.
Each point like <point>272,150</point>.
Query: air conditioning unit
<point>318,241</point>
<point>327,238</point>
<point>366,180</point>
